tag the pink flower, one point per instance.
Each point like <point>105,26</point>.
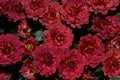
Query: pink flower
<point>27,70</point>
<point>59,36</point>
<point>29,45</point>
<point>71,65</point>
<point>75,12</point>
<point>35,8</point>
<point>105,27</point>
<point>52,15</point>
<point>102,6</point>
<point>10,49</point>
<point>24,30</point>
<point>16,10</point>
<point>111,63</point>
<point>92,50</point>
<point>45,60</point>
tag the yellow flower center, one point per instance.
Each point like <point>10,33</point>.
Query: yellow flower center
<point>29,47</point>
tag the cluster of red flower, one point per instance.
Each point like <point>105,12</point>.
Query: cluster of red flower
<point>55,52</point>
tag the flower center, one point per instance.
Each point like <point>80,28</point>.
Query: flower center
<point>58,39</point>
<point>105,23</point>
<point>18,8</point>
<point>52,14</point>
<point>27,30</point>
<point>70,64</point>
<point>47,60</point>
<point>114,64</point>
<point>110,45</point>
<point>35,4</point>
<point>88,49</point>
<point>8,49</point>
<point>119,31</point>
<point>1,7</point>
<point>87,76</point>
<point>30,69</point>
<point>29,46</point>
<point>75,10</point>
<point>102,24</point>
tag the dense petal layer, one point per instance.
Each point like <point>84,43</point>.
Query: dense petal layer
<point>91,48</point>
<point>24,30</point>
<point>111,63</point>
<point>102,6</point>
<point>27,70</point>
<point>105,27</point>
<point>15,10</point>
<point>52,15</point>
<point>71,65</point>
<point>10,49</point>
<point>75,12</point>
<point>58,35</point>
<point>35,8</point>
<point>45,60</point>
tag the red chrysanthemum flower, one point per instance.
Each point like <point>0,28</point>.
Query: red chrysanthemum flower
<point>71,65</point>
<point>58,35</point>
<point>105,27</point>
<point>35,8</point>
<point>27,70</point>
<point>88,75</point>
<point>3,6</point>
<point>112,44</point>
<point>52,15</point>
<point>75,12</point>
<point>10,49</point>
<point>45,60</point>
<point>24,30</point>
<point>5,76</point>
<point>91,48</point>
<point>111,63</point>
<point>102,6</point>
<point>29,45</point>
<point>16,10</point>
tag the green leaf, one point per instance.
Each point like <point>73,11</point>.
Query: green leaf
<point>96,78</point>
<point>20,78</point>
<point>118,14</point>
<point>13,31</point>
<point>38,35</point>
<point>116,78</point>
<point>98,70</point>
<point>1,31</point>
<point>74,45</point>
